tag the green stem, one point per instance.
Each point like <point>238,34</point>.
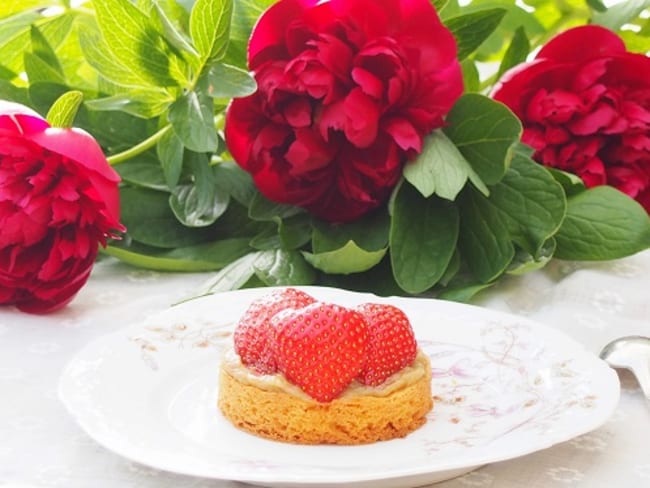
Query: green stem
<point>145,145</point>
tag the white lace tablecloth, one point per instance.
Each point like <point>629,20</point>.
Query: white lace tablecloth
<point>41,446</point>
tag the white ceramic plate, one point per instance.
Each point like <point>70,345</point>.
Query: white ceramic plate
<point>504,387</point>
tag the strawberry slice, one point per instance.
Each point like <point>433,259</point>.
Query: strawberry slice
<point>391,344</point>
<point>320,348</point>
<point>254,335</point>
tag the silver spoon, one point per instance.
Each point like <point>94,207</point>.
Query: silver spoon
<point>631,353</point>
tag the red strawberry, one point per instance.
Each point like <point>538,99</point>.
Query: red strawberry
<point>321,348</point>
<point>254,334</point>
<point>391,344</point>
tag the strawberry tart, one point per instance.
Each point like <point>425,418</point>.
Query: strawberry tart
<point>311,372</point>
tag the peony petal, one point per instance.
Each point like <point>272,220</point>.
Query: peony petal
<point>243,121</point>
<point>592,172</point>
<point>556,135</point>
<point>628,179</point>
<point>308,153</point>
<point>638,115</point>
<point>368,82</point>
<point>82,148</point>
<point>268,36</point>
<point>369,18</point>
<point>626,69</point>
<point>588,74</point>
<point>362,114</point>
<point>594,121</point>
<point>50,297</point>
<point>519,84</point>
<point>334,55</point>
<point>19,119</point>
<point>581,44</point>
<point>298,112</point>
<point>404,134</point>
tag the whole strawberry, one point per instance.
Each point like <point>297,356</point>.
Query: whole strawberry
<point>320,348</point>
<point>391,342</point>
<point>254,335</point>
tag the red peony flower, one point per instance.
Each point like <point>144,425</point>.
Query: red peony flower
<point>585,105</point>
<point>58,201</point>
<point>347,89</point>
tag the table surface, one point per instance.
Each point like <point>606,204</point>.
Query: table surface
<point>42,446</point>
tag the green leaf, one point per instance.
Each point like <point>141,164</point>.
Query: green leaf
<point>143,171</point>
<point>232,276</point>
<point>99,56</point>
<point>118,131</point>
<point>378,280</point>
<point>42,95</point>
<point>192,117</point>
<point>281,267</point>
<point>12,7</point>
<point>202,257</point>
<point>484,241</point>
<point>201,202</point>
<point>494,47</point>
<point>174,36</point>
<point>38,70</point>
<point>261,208</point>
<point>602,223</point>
<point>423,238</point>
<point>6,74</point>
<point>169,150</point>
<point>484,131</point>
<point>210,27</point>
<point>231,177</point>
<point>620,14</point>
<point>195,210</point>
<point>41,48</point>
<point>524,262</point>
<point>452,270</point>
<point>235,223</point>
<point>15,35</point>
<point>636,42</point>
<point>441,169</point>
<point>133,40</point>
<point>531,203</point>
<point>516,53</point>
<point>226,81</point>
<point>470,30</point>
<point>462,294</point>
<point>267,239</point>
<point>145,103</point>
<point>597,5</point>
<point>64,110</point>
<point>295,231</point>
<point>348,259</point>
<point>11,92</point>
<point>245,15</point>
<point>439,4</point>
<point>471,76</point>
<point>570,182</point>
<point>149,220</point>
<point>369,232</point>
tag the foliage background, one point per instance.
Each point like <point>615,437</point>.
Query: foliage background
<point>156,77</point>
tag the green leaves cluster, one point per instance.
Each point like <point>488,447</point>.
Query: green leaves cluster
<point>151,79</point>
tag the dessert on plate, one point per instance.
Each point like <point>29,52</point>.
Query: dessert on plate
<point>312,372</point>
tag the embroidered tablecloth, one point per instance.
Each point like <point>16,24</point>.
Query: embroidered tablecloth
<point>42,446</point>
